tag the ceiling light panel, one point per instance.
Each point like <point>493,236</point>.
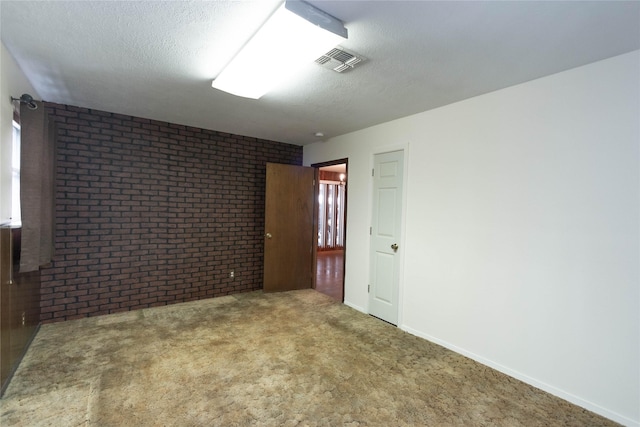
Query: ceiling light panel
<point>297,28</point>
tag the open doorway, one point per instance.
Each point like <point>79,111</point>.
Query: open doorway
<point>331,222</point>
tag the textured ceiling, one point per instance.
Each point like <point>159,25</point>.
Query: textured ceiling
<point>157,59</point>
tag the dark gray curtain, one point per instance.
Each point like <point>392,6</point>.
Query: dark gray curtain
<point>37,187</point>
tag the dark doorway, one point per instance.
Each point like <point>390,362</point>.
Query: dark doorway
<point>331,192</point>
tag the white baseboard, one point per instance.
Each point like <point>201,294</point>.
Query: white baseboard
<point>526,379</point>
<point>355,307</point>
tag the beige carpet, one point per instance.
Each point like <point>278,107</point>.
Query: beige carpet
<point>288,359</point>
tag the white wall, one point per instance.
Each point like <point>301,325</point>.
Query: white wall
<point>522,230</point>
<point>12,83</point>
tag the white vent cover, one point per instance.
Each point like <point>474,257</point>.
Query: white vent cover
<point>340,60</point>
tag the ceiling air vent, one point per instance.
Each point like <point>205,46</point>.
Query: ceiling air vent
<point>340,60</point>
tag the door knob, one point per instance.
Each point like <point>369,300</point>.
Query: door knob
<point>394,247</point>
<point>267,235</point>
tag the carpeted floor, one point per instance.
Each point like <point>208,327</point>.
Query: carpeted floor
<point>286,359</point>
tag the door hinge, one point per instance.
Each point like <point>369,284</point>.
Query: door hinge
<point>368,289</point>
<point>373,172</point>
<point>370,231</point>
<point>314,182</point>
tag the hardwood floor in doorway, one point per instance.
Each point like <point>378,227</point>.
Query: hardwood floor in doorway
<point>330,274</point>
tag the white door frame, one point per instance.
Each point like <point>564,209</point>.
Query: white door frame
<point>403,216</point>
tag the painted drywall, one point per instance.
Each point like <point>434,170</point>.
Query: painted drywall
<point>521,244</point>
<point>12,83</point>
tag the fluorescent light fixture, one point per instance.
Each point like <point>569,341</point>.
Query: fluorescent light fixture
<point>296,34</point>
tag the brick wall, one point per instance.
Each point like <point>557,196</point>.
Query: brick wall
<point>152,213</point>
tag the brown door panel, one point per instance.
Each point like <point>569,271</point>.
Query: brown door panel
<point>289,220</point>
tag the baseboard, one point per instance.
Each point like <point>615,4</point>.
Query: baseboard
<point>15,366</point>
<point>531,381</point>
<point>355,307</point>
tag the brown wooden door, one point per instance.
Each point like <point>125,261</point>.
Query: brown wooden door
<point>289,221</point>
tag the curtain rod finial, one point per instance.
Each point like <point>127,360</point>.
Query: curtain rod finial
<point>26,99</point>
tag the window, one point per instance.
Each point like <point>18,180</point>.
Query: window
<point>331,215</point>
<point>15,177</point>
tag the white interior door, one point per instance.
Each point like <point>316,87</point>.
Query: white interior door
<point>385,235</point>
